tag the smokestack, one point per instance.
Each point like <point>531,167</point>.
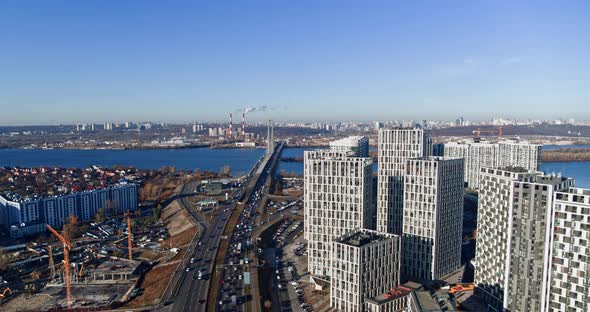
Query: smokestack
<point>244,125</point>
<point>231,126</point>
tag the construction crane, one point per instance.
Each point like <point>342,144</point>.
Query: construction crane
<point>67,247</point>
<point>129,243</point>
<point>81,273</point>
<point>3,294</point>
<point>478,132</point>
<point>51,263</point>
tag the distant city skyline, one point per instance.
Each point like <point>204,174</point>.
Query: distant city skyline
<point>68,61</point>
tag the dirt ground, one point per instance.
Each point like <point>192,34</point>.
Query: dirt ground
<point>182,231</point>
<point>176,219</point>
<point>153,285</point>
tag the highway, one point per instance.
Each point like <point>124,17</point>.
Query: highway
<point>233,294</point>
<point>192,292</point>
<point>190,285</point>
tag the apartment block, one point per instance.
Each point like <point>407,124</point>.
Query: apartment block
<point>480,155</point>
<point>365,264</point>
<point>514,235</point>
<point>570,255</point>
<point>395,147</point>
<point>432,218</point>
<point>338,197</point>
<point>27,214</point>
<point>357,145</point>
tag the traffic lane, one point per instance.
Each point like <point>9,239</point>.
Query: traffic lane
<point>237,237</point>
<point>200,287</point>
<point>202,249</point>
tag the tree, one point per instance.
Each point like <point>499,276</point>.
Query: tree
<point>225,171</point>
<point>99,218</point>
<point>71,229</point>
<point>157,212</point>
<point>109,204</point>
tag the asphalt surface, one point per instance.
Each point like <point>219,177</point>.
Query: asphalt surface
<point>190,285</point>
<point>231,295</point>
<point>191,292</point>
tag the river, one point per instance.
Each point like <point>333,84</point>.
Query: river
<point>239,160</point>
<point>580,171</point>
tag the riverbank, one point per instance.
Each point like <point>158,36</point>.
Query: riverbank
<point>566,155</point>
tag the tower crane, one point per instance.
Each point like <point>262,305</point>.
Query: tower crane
<point>6,290</point>
<point>67,247</point>
<point>51,263</point>
<point>129,243</point>
<point>478,132</point>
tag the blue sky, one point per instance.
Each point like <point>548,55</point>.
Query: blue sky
<point>78,61</point>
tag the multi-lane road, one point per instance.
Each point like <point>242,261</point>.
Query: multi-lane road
<point>233,294</point>
<point>192,292</point>
<point>191,284</point>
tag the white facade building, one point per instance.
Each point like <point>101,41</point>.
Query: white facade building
<point>55,210</point>
<point>514,236</point>
<point>479,155</point>
<point>365,264</point>
<point>570,267</point>
<point>395,147</point>
<point>358,145</point>
<point>337,198</point>
<point>432,218</point>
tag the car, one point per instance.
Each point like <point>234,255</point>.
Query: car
<point>188,269</point>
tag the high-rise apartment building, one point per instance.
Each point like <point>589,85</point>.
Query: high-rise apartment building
<point>358,145</point>
<point>365,264</point>
<point>395,147</point>
<point>570,255</point>
<point>479,155</point>
<point>338,198</point>
<point>432,218</point>
<point>514,235</point>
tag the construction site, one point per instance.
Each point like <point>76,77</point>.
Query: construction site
<point>124,261</point>
<point>111,265</point>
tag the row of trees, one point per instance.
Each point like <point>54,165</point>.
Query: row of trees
<point>566,154</point>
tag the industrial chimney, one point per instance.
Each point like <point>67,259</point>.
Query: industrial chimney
<point>244,125</point>
<point>231,126</point>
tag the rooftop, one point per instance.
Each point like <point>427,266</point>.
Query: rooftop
<point>361,238</point>
<point>514,169</point>
<point>22,184</point>
<point>395,293</point>
<point>120,267</point>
